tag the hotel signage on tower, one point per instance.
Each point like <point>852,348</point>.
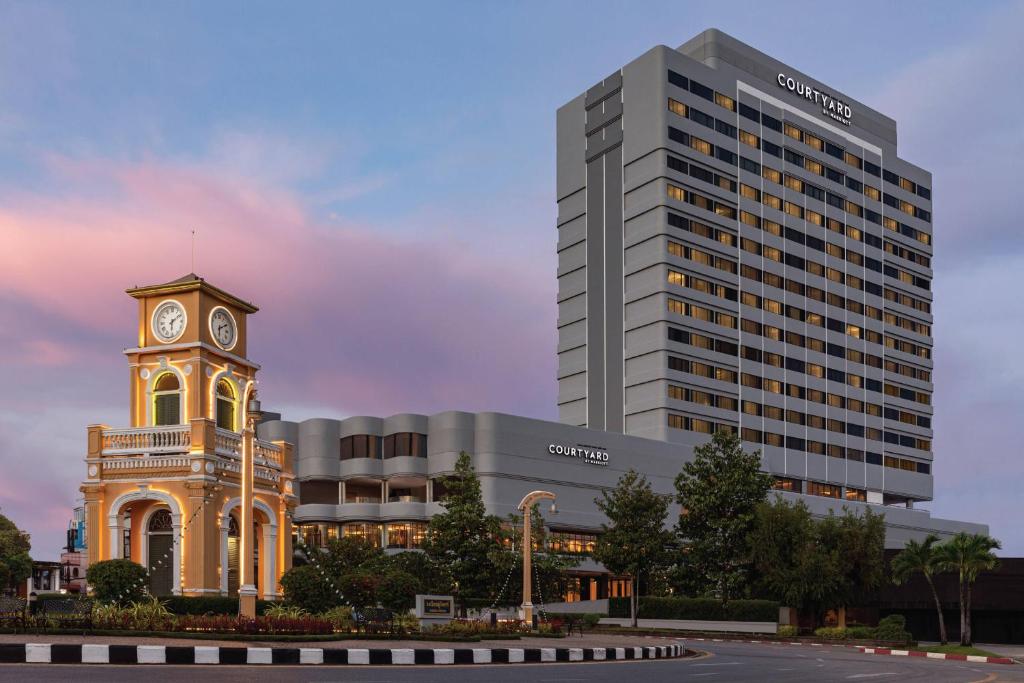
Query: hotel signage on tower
<point>591,456</point>
<point>830,106</point>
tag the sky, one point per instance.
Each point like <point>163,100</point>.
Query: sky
<point>380,181</point>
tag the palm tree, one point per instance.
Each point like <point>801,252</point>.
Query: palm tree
<point>968,555</point>
<point>920,558</point>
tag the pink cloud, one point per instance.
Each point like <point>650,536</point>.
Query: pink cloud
<point>352,319</point>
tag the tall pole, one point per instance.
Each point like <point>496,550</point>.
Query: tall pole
<point>247,589</point>
<point>525,506</point>
<point>527,561</point>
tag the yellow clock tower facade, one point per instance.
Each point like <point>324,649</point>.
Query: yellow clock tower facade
<point>166,491</point>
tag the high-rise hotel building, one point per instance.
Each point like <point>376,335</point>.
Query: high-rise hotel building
<point>740,246</point>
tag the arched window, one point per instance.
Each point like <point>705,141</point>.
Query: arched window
<point>160,522</point>
<point>225,405</point>
<point>167,400</point>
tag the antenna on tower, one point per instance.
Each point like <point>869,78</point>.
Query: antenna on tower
<point>193,251</point>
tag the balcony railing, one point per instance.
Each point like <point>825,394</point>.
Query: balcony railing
<point>172,439</point>
<point>177,439</point>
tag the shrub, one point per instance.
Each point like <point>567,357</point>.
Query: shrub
<point>788,631</point>
<point>704,609</point>
<point>360,588</point>
<point>830,633</point>
<point>305,625</point>
<point>118,581</point>
<point>861,632</point>
<point>210,604</point>
<point>280,611</point>
<point>397,590</point>
<point>590,619</point>
<point>893,628</point>
<point>305,587</point>
<point>618,608</point>
<point>340,618</point>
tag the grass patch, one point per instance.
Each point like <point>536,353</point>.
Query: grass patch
<point>957,650</point>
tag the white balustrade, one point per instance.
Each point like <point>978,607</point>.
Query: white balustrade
<point>144,440</point>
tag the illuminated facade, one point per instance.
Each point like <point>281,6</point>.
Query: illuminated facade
<point>165,490</point>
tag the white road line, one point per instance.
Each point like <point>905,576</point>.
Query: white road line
<point>720,664</point>
<point>888,673</point>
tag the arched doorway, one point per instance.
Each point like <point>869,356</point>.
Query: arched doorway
<point>160,544</point>
<point>234,555</point>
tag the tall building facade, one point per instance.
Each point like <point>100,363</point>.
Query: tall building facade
<point>741,247</point>
<point>165,490</point>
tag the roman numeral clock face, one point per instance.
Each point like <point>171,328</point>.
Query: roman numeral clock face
<point>223,328</point>
<point>169,320</point>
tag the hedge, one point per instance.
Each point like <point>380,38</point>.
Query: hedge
<point>212,604</point>
<point>702,609</point>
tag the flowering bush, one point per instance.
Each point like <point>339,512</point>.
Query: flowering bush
<point>302,625</point>
<point>475,627</point>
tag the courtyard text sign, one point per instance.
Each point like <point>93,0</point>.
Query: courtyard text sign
<point>830,106</point>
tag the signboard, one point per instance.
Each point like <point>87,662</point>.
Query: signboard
<point>830,106</point>
<point>588,454</point>
<point>435,607</point>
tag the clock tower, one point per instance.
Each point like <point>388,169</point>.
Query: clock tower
<point>165,491</point>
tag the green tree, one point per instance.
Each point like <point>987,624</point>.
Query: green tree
<point>15,561</point>
<point>463,540</point>
<point>306,587</point>
<point>634,541</point>
<point>968,555</point>
<point>360,588</point>
<point>719,491</point>
<point>789,565</point>
<point>397,590</point>
<point>920,558</point>
<point>855,546</point>
<point>430,579</point>
<point>118,581</point>
<point>347,554</point>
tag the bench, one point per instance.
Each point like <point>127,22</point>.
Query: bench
<point>374,620</point>
<point>66,612</point>
<point>577,622</point>
<point>12,611</point>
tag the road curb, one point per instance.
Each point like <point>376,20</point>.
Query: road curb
<point>67,653</point>
<point>935,655</point>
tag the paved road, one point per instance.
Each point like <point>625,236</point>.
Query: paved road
<point>740,662</point>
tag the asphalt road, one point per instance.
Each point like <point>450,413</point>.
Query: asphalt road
<point>741,662</point>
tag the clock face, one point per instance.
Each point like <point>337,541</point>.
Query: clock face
<point>222,328</point>
<point>169,321</point>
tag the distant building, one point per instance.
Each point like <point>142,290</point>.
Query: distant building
<point>74,560</point>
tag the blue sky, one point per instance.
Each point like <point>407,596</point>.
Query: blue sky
<point>301,139</point>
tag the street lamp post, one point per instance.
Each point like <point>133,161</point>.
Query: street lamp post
<point>525,506</point>
<point>247,589</point>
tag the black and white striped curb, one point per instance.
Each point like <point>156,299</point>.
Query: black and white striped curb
<point>65,653</point>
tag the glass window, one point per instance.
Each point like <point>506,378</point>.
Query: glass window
<point>225,405</point>
<point>367,531</point>
<point>360,446</point>
<point>407,535</point>
<point>166,400</point>
<point>725,101</point>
